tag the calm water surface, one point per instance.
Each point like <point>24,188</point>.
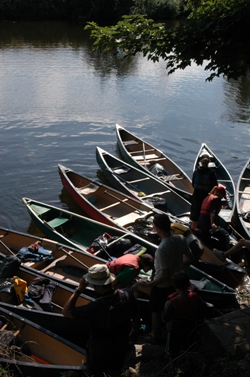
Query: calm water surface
<point>59,100</point>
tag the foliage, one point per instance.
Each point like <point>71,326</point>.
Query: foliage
<point>215,35</point>
<point>79,10</point>
<point>157,9</point>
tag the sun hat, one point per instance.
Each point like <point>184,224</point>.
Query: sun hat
<point>222,190</point>
<point>204,155</point>
<point>99,274</point>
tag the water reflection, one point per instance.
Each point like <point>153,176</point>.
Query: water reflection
<point>237,95</point>
<point>59,100</point>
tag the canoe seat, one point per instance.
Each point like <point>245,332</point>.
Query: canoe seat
<point>130,142</point>
<point>121,169</point>
<point>58,221</point>
<point>173,177</point>
<point>151,156</point>
<point>128,219</point>
<point>87,189</point>
<point>40,210</point>
<point>141,152</point>
<point>139,180</point>
<point>109,206</point>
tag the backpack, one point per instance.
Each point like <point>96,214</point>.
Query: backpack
<point>41,291</point>
<point>10,266</point>
<point>7,292</point>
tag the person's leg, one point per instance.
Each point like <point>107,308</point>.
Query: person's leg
<point>233,250</point>
<point>238,246</point>
<point>156,325</point>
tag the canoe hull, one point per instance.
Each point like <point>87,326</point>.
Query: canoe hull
<point>37,347</point>
<point>144,156</point>
<point>137,183</point>
<point>243,201</point>
<point>101,202</point>
<point>224,178</point>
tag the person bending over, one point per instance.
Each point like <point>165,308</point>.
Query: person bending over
<point>127,267</point>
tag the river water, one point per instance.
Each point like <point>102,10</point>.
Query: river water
<point>59,100</point>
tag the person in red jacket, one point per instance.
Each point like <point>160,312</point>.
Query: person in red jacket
<point>208,222</point>
<point>182,313</point>
<point>127,267</point>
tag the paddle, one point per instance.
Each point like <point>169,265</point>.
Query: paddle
<point>71,256</point>
<point>235,231</point>
<point>121,201</point>
<point>103,248</point>
<point>144,154</point>
<point>6,247</point>
<point>53,264</point>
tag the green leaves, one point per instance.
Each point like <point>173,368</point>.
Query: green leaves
<point>215,35</point>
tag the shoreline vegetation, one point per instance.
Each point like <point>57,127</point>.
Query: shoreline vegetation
<point>103,12</point>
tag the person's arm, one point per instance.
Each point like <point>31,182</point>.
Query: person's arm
<point>188,257</point>
<point>212,220</point>
<point>164,276</point>
<point>214,211</point>
<point>70,304</point>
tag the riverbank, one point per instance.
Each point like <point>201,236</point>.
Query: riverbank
<point>223,349</point>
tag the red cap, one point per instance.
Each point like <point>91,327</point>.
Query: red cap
<point>222,190</point>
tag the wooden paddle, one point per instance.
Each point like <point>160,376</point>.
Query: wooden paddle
<point>73,257</point>
<point>121,201</point>
<point>6,247</point>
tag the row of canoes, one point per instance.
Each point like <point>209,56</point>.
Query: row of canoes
<point>64,270</point>
<point>148,182</point>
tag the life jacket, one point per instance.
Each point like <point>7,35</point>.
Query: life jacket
<point>179,228</point>
<point>202,179</point>
<point>206,204</point>
<point>184,230</point>
<point>185,308</point>
<point>130,260</point>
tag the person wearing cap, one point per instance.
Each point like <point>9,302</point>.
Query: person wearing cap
<point>112,319</point>
<point>203,180</point>
<point>208,222</point>
<point>172,255</point>
<point>127,267</point>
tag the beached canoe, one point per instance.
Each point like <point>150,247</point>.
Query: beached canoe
<point>103,203</point>
<point>243,201</point>
<point>151,160</point>
<point>47,313</point>
<point>32,350</point>
<point>138,184</point>
<point>67,264</point>
<point>68,270</point>
<point>213,290</point>
<point>79,231</point>
<point>205,285</point>
<point>227,271</point>
<point>224,178</point>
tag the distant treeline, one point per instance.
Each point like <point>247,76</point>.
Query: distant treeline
<point>82,11</point>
